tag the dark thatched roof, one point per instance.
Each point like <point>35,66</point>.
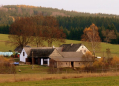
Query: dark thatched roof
<point>18,49</point>
<point>41,52</point>
<point>70,47</point>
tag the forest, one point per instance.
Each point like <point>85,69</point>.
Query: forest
<point>73,23</point>
<point>73,26</point>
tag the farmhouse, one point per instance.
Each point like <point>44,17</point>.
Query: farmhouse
<point>67,55</point>
<point>39,55</point>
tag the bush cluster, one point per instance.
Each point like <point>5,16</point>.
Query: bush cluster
<point>6,66</point>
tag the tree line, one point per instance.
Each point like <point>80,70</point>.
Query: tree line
<point>74,26</point>
<point>4,29</point>
<point>35,30</point>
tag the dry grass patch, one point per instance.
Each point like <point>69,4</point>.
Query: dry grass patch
<point>37,77</point>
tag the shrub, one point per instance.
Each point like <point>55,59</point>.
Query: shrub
<point>6,66</point>
<point>115,60</point>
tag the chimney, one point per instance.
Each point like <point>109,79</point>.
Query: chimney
<point>71,44</point>
<point>53,46</point>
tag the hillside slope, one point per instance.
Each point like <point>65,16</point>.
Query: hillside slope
<point>8,13</point>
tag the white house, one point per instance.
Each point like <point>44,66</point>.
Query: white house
<point>24,54</point>
<point>40,55</point>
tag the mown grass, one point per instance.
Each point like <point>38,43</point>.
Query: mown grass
<point>4,37</point>
<point>27,69</point>
<point>90,81</point>
<point>113,48</point>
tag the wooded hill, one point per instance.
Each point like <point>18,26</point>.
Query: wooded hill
<point>72,22</point>
<point>8,13</point>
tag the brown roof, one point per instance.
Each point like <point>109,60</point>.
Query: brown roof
<point>70,56</point>
<point>59,49</point>
<point>68,59</point>
<point>38,51</point>
<point>70,47</point>
<point>27,50</point>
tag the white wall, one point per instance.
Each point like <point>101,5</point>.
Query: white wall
<point>23,58</point>
<point>41,61</point>
<point>83,49</point>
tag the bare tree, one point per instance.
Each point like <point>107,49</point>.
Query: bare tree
<point>35,29</point>
<point>52,32</point>
<point>21,32</point>
<point>88,60</point>
<point>38,30</point>
<point>91,36</point>
<point>108,34</point>
<point>38,37</point>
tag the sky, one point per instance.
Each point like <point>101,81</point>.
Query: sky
<point>90,6</point>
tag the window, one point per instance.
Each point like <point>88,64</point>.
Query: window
<point>84,50</point>
<point>80,50</point>
<point>23,53</point>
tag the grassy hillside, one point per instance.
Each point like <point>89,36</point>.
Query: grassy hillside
<point>6,47</point>
<point>113,48</point>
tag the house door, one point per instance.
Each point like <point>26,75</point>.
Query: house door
<point>45,61</point>
<point>72,64</point>
<point>36,60</point>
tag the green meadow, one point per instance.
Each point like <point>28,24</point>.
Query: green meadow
<point>102,52</point>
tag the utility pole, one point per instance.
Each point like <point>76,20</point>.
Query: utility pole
<point>32,60</point>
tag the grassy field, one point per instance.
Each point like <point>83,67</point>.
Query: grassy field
<point>114,48</point>
<point>39,73</point>
<point>90,81</point>
<point>4,47</point>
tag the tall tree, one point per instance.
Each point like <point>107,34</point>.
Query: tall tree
<point>51,31</point>
<point>91,35</point>
<point>38,27</point>
<point>21,32</point>
<point>108,34</point>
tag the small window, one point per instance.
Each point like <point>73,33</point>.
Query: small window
<point>66,63</point>
<point>23,53</point>
<point>79,63</point>
<point>61,63</point>
<point>80,50</point>
<point>84,50</point>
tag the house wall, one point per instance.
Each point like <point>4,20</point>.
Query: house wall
<point>23,58</point>
<point>78,64</point>
<point>68,64</point>
<point>63,64</point>
<point>82,49</point>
